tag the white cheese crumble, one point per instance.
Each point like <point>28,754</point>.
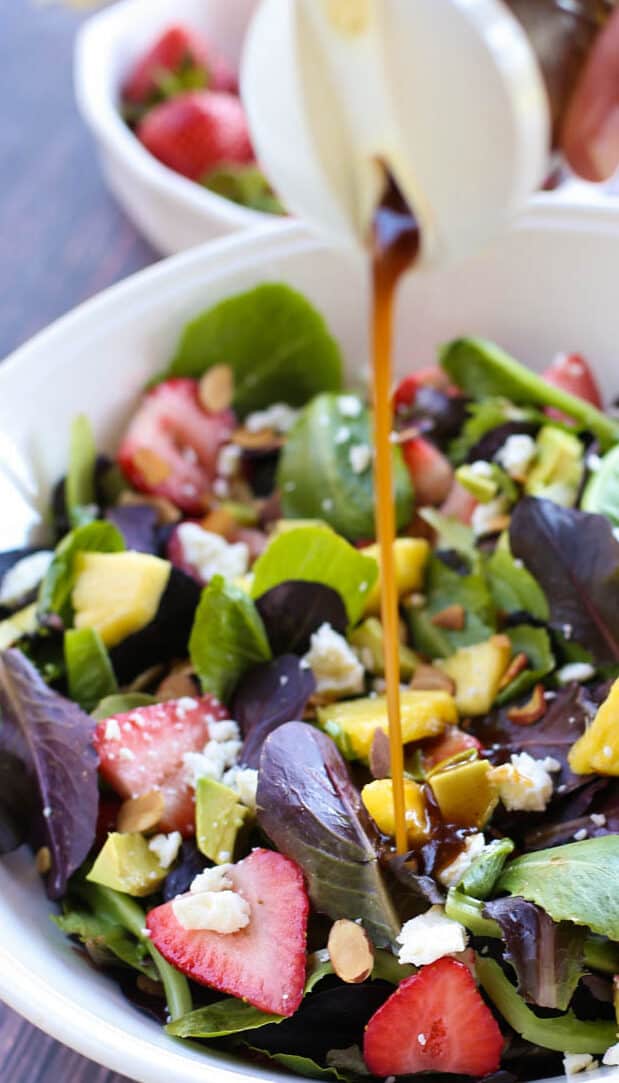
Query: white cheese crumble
<point>126,754</point>
<point>484,515</point>
<point>429,937</point>
<point>580,835</point>
<point>575,671</point>
<point>577,1062</point>
<point>598,818</point>
<point>210,554</point>
<point>112,730</point>
<point>220,753</point>
<point>525,784</point>
<point>342,435</point>
<point>349,405</point>
<point>23,577</point>
<point>216,879</point>
<point>334,663</point>
<point>611,1056</point>
<point>166,848</point>
<point>213,911</point>
<point>280,417</point>
<point>245,781</point>
<point>228,460</point>
<point>360,456</point>
<point>517,454</point>
<point>473,847</point>
<point>481,469</point>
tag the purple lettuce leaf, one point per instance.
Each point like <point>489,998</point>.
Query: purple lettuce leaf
<point>573,814</point>
<point>137,524</point>
<point>292,611</point>
<point>52,738</point>
<point>575,558</point>
<point>191,863</point>
<point>547,956</point>
<point>268,695</point>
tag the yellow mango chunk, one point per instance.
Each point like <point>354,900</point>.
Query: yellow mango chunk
<point>352,723</point>
<point>477,672</point>
<point>411,555</point>
<point>467,793</point>
<point>377,797</point>
<point>118,593</point>
<point>598,748</point>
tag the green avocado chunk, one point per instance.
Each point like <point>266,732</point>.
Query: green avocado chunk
<point>219,818</point>
<point>558,469</point>
<point>369,640</point>
<point>126,864</point>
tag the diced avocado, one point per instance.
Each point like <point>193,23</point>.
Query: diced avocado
<point>89,671</point>
<point>410,555</point>
<point>598,748</point>
<point>558,469</point>
<point>19,624</point>
<point>477,672</point>
<point>352,723</point>
<point>126,864</point>
<point>466,793</point>
<point>368,638</point>
<point>377,797</point>
<point>481,485</point>
<point>118,593</point>
<point>219,818</point>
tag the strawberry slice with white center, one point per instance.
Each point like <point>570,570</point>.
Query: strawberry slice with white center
<point>431,472</point>
<point>263,963</point>
<point>449,744</point>
<point>143,750</point>
<point>436,1021</point>
<point>170,447</point>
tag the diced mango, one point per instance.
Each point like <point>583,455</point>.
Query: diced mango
<point>410,555</point>
<point>477,672</point>
<point>352,723</point>
<point>466,793</point>
<point>377,797</point>
<point>118,593</point>
<point>598,748</point>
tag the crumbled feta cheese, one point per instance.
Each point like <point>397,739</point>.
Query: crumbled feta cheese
<point>576,1062</point>
<point>210,554</point>
<point>517,454</point>
<point>24,577</point>
<point>593,462</point>
<point>334,663</point>
<point>453,873</point>
<point>580,835</point>
<point>112,730</point>
<point>611,1056</point>
<point>481,469</point>
<point>430,936</point>
<point>598,818</point>
<point>327,504</point>
<point>279,417</point>
<point>166,847</point>
<point>246,785</point>
<point>216,757</point>
<point>216,911</point>
<point>342,435</point>
<point>349,405</point>
<point>226,730</point>
<point>525,784</point>
<point>575,671</point>
<point>484,515</point>
<point>217,879</point>
<point>184,704</point>
<point>228,460</point>
<point>360,456</point>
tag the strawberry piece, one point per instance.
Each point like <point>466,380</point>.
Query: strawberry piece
<point>406,391</point>
<point>571,373</point>
<point>176,50</point>
<point>264,963</point>
<point>197,132</point>
<point>450,743</point>
<point>459,504</point>
<point>436,1021</point>
<point>170,447</point>
<point>430,471</point>
<point>143,750</point>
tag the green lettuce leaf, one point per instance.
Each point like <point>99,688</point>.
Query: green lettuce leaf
<point>227,637</point>
<point>481,876</point>
<point>246,185</point>
<point>482,418</point>
<point>445,587</point>
<point>513,588</point>
<point>89,671</point>
<point>102,933</point>
<point>303,1066</point>
<point>80,481</point>
<point>451,533</point>
<point>57,586</point>
<point>601,495</point>
<point>535,643</point>
<point>121,703</point>
<point>218,1020</point>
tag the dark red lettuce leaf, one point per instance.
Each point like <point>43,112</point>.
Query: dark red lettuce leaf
<point>292,611</point>
<point>575,558</point>
<point>547,955</point>
<point>138,525</point>
<point>268,695</point>
<point>567,816</point>
<point>191,863</point>
<point>17,800</point>
<point>493,441</point>
<point>52,738</point>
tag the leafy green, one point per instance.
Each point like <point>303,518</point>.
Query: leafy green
<point>445,587</point>
<point>316,554</point>
<point>601,495</point>
<point>481,876</point>
<point>483,370</point>
<point>80,481</point>
<point>277,344</point>
<point>57,586</point>
<point>246,185</point>
<point>89,671</point>
<point>513,588</point>
<point>578,882</point>
<point>317,480</point>
<point>100,932</point>
<point>535,643</point>
<point>483,417</point>
<point>565,1033</point>
<point>451,533</point>
<point>303,1066</point>
<point>121,703</point>
<point>227,637</point>
<point>469,912</point>
<point>224,1017</point>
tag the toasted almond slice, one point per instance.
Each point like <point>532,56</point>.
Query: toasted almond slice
<point>178,683</point>
<point>141,813</point>
<point>43,860</point>
<point>380,755</point>
<point>153,468</point>
<point>453,618</point>
<point>350,951</point>
<point>532,711</point>
<point>216,388</point>
<point>146,679</point>
<point>497,525</point>
<point>256,441</point>
<point>430,679</point>
<point>518,664</point>
<point>167,512</point>
<point>220,521</point>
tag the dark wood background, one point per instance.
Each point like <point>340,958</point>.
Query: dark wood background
<point>62,239</point>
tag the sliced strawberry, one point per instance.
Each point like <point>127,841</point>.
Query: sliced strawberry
<point>264,963</point>
<point>459,504</point>
<point>436,1021</point>
<point>197,132</point>
<point>406,391</point>
<point>449,744</point>
<point>430,471</point>
<point>170,447</point>
<point>143,750</point>
<point>173,53</point>
<point>571,373</point>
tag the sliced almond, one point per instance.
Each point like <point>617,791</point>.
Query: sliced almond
<point>152,467</point>
<point>256,441</point>
<point>453,618</point>
<point>380,755</point>
<point>178,683</point>
<point>497,525</point>
<point>351,951</point>
<point>216,388</point>
<point>43,860</point>
<point>167,512</point>
<point>141,813</point>
<point>220,521</point>
<point>517,666</point>
<point>532,711</point>
<point>430,679</point>
<point>147,679</point>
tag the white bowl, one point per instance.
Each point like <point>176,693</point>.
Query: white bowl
<point>172,212</point>
<point>549,286</point>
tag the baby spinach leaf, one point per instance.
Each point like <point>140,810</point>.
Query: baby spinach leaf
<point>303,1066</point>
<point>450,532</point>
<point>292,611</point>
<point>79,487</point>
<point>548,956</point>
<point>316,477</point>
<point>483,369</point>
<point>445,587</point>
<point>513,588</point>
<point>535,643</point>
<point>601,495</point>
<point>574,556</point>
<point>57,586</point>
<point>120,703</point>
<point>309,808</point>
<point>267,696</point>
<point>481,876</point>
<point>578,882</point>
<point>52,738</point>
<point>277,344</point>
<point>89,671</point>
<point>224,1017</point>
<point>103,933</point>
<point>227,637</point>
<point>316,554</point>
<point>484,419</point>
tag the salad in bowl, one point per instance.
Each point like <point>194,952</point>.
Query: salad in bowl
<point>194,727</point>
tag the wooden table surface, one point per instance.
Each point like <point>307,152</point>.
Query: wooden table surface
<point>62,239</point>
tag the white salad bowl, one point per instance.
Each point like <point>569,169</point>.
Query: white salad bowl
<point>551,285</point>
<point>171,211</point>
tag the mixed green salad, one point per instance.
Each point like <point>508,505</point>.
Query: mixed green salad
<point>193,727</point>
